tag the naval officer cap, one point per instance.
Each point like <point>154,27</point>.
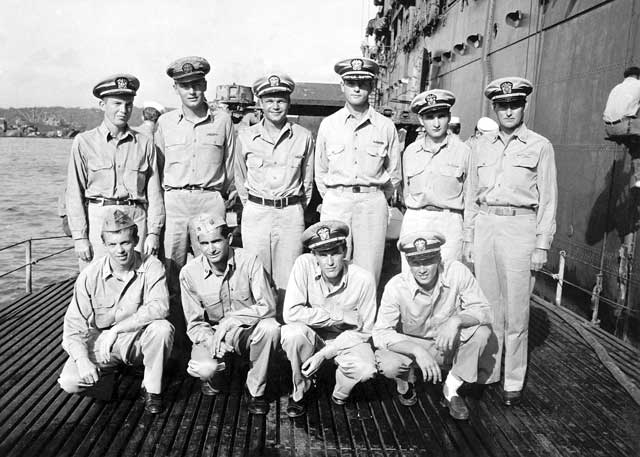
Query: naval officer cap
<point>432,100</point>
<point>208,223</point>
<point>511,88</point>
<point>325,235</point>
<point>188,69</point>
<point>116,220</point>
<point>118,84</point>
<point>421,245</point>
<point>357,68</point>
<point>273,83</point>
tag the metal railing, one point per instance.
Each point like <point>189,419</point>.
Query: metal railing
<point>29,261</point>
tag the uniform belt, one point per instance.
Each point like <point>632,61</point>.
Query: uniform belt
<point>198,188</point>
<point>277,203</point>
<point>357,189</point>
<point>506,210</point>
<point>443,210</point>
<point>613,123</point>
<point>113,201</point>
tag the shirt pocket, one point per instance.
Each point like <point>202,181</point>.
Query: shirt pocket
<point>296,160</point>
<point>241,296</point>
<point>176,158</point>
<point>135,176</point>
<point>487,169</point>
<point>212,305</point>
<point>449,180</point>
<point>254,161</point>
<point>374,158</point>
<point>415,179</point>
<point>100,177</point>
<point>104,312</point>
<point>523,171</point>
<point>210,150</point>
<point>335,156</point>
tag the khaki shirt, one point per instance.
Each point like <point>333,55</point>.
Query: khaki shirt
<point>407,309</point>
<point>309,300</point>
<point>435,174</point>
<point>274,169</point>
<point>623,100</point>
<point>101,166</point>
<point>520,173</point>
<point>242,293</point>
<point>351,152</point>
<point>198,154</point>
<point>101,300</point>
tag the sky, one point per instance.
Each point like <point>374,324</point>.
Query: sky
<point>52,53</point>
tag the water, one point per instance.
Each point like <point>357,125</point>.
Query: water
<point>32,173</point>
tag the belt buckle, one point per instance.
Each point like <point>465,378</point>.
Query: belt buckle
<point>356,189</point>
<point>279,203</point>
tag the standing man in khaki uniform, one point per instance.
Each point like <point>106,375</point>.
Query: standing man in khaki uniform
<point>431,316</point>
<point>357,165</point>
<point>274,178</point>
<point>510,220</point>
<point>329,311</point>
<point>196,148</point>
<point>434,174</point>
<point>229,306</point>
<point>117,314</point>
<point>151,112</point>
<point>109,166</point>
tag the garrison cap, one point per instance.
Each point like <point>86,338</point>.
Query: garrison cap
<point>508,89</point>
<point>155,105</point>
<point>357,68</point>
<point>188,69</point>
<point>118,84</point>
<point>432,100</point>
<point>116,220</point>
<point>208,223</point>
<point>325,235</point>
<point>486,125</point>
<point>272,83</point>
<point>423,245</point>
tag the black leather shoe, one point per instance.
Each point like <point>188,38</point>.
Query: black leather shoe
<point>512,397</point>
<point>258,405</point>
<point>409,398</point>
<point>152,403</point>
<point>206,387</point>
<point>296,408</point>
<point>457,408</point>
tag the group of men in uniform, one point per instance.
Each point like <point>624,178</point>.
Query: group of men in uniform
<point>495,205</point>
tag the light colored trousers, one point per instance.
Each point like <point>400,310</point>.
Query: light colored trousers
<point>150,347</point>
<point>448,223</point>
<point>355,364</point>
<point>275,236</point>
<point>258,341</point>
<point>366,215</point>
<point>503,246</point>
<point>465,360</point>
<point>95,217</point>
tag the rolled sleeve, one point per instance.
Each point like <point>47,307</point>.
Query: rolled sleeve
<point>384,331</point>
<point>198,329</point>
<point>76,321</point>
<point>156,296</point>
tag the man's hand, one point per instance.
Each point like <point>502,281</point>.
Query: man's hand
<point>467,252</point>
<point>105,343</point>
<point>428,365</point>
<point>448,333</point>
<point>218,346</point>
<point>87,371</point>
<point>151,244</point>
<point>538,259</point>
<point>312,364</point>
<point>83,249</point>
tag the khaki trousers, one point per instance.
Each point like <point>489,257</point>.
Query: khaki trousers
<point>149,346</point>
<point>502,250</point>
<point>258,342</point>
<point>354,365</point>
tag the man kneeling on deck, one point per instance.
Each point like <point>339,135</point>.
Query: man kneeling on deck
<point>229,306</point>
<point>329,310</point>
<point>117,315</point>
<point>431,316</point>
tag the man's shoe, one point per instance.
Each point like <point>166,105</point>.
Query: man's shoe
<point>457,408</point>
<point>296,408</point>
<point>258,405</point>
<point>512,397</point>
<point>152,403</point>
<point>409,398</point>
<point>338,401</point>
<point>207,389</point>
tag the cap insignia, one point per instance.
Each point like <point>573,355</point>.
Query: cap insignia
<point>274,81</point>
<point>122,83</point>
<point>187,68</point>
<point>506,87</point>
<point>323,233</point>
<point>420,244</point>
<point>431,99</point>
<point>357,64</point>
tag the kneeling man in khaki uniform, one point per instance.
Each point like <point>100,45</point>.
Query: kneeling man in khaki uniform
<point>117,315</point>
<point>432,316</point>
<point>229,306</point>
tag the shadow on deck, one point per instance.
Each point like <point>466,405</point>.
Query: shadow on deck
<point>572,405</point>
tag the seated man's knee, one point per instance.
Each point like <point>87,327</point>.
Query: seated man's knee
<point>389,364</point>
<point>482,334</point>
<point>293,335</point>
<point>206,369</point>
<point>268,329</point>
<point>161,328</point>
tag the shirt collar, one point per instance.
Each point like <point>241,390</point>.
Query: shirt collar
<point>181,115</point>
<point>208,271</point>
<point>369,115</point>
<point>107,271</point>
<point>106,134</point>
<point>521,133</point>
<point>262,132</point>
<point>429,146</point>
